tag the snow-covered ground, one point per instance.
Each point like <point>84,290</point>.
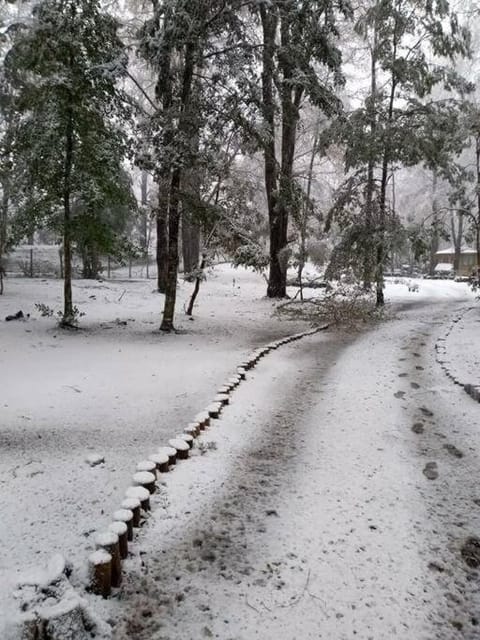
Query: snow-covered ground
<point>335,505</point>
<point>119,388</point>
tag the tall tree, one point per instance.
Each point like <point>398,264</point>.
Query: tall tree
<point>298,37</point>
<point>64,65</point>
<point>400,123</point>
<point>185,42</point>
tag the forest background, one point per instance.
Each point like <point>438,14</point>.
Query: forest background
<point>270,132</point>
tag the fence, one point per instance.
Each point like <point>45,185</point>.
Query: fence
<point>46,261</point>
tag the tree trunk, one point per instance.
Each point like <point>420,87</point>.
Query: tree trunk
<point>276,284</point>
<point>175,185</point>
<point>3,227</point>
<point>68,315</point>
<point>306,210</point>
<point>381,249</point>
<point>435,241</point>
<point>163,177</point>
<point>196,289</point>
<point>144,219</point>
<point>457,235</point>
<point>190,247</point>
<point>173,233</point>
<point>477,219</point>
<point>191,188</point>
<point>290,104</point>
<point>162,223</point>
<point>369,245</point>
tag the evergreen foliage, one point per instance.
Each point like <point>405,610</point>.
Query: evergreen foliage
<point>69,144</point>
<point>400,122</point>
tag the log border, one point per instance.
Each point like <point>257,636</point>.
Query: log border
<point>138,502</point>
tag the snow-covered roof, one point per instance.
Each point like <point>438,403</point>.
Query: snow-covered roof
<point>444,266</point>
<point>451,251</point>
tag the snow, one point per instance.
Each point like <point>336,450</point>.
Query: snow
<point>143,477</point>
<point>451,251</point>
<point>192,429</point>
<point>323,524</point>
<point>462,347</point>
<point>129,504</point>
<point>125,390</point>
<point>214,409</point>
<point>125,515</point>
<point>444,266</point>
<point>179,444</point>
<point>170,452</point>
<point>106,539</point>
<point>118,527</point>
<point>202,417</point>
<point>137,492</point>
<point>146,465</point>
<point>94,459</point>
<point>101,556</point>
<point>187,437</point>
<point>158,458</point>
<point>42,577</point>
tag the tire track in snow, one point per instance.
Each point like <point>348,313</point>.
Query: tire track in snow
<point>314,519</point>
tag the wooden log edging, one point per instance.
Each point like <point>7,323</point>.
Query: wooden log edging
<point>105,564</point>
<point>441,356</point>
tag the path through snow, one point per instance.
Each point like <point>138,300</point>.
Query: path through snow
<point>333,501</point>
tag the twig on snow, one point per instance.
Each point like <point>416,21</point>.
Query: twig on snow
<point>299,597</point>
<point>251,605</point>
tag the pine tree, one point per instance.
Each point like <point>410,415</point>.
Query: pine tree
<point>68,145</point>
<point>400,124</point>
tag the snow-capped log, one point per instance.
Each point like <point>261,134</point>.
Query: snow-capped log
<point>214,409</point>
<point>133,505</point>
<point>475,392</point>
<point>193,429</point>
<point>161,461</point>
<point>141,494</point>
<point>226,388</point>
<point>145,479</point>
<point>147,465</point>
<point>222,397</point>
<point>203,419</point>
<point>108,540</point>
<point>171,452</point>
<point>101,572</point>
<point>126,516</point>
<point>94,459</point>
<point>181,446</point>
<point>187,437</point>
<point>235,380</point>
<point>242,372</point>
<point>121,529</point>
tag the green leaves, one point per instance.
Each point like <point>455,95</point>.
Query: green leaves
<point>63,68</point>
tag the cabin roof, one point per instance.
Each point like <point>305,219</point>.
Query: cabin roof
<point>451,251</point>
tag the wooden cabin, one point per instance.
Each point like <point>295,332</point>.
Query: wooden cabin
<point>467,265</point>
